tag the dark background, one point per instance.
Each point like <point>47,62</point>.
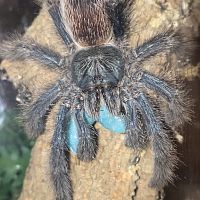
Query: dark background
<point>17,15</point>
<point>15,148</point>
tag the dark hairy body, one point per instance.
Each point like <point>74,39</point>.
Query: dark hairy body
<point>102,68</point>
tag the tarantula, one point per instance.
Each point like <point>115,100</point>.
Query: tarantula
<point>101,71</point>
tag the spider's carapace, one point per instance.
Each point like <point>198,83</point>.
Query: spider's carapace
<point>101,66</point>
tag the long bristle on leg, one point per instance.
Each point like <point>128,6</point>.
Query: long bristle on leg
<point>111,100</point>
<point>24,49</point>
<point>34,115</point>
<point>92,103</point>
<point>54,11</point>
<point>169,40</point>
<point>88,138</point>
<point>119,13</point>
<point>136,136</point>
<point>165,156</point>
<point>59,162</point>
<point>178,110</point>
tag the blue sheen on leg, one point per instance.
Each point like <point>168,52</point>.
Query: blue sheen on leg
<point>113,123</point>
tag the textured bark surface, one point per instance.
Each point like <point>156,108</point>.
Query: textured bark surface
<point>111,176</point>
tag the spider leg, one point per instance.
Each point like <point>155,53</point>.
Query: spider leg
<point>119,13</point>
<point>22,49</point>
<point>165,158</point>
<point>162,42</point>
<point>35,113</point>
<point>111,100</point>
<point>92,103</point>
<point>58,158</point>
<point>160,86</point>
<point>176,105</point>
<point>135,136</point>
<point>54,11</point>
<point>88,138</point>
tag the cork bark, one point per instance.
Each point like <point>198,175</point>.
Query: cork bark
<point>112,175</point>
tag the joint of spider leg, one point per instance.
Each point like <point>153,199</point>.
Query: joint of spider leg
<point>75,102</point>
<point>131,81</point>
<point>66,103</point>
<point>136,76</point>
<point>130,94</point>
<point>124,96</point>
<point>134,53</point>
<point>63,62</point>
<point>72,48</point>
<point>62,86</point>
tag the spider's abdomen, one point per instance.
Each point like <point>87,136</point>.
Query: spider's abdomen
<point>101,66</point>
<point>87,20</point>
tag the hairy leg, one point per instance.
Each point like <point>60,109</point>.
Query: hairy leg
<point>54,11</point>
<point>173,97</point>
<point>24,49</point>
<point>35,112</point>
<point>111,100</point>
<point>162,42</point>
<point>92,103</point>
<point>88,138</point>
<point>160,86</point>
<point>165,158</point>
<point>119,13</point>
<point>59,163</point>
<point>136,136</point>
